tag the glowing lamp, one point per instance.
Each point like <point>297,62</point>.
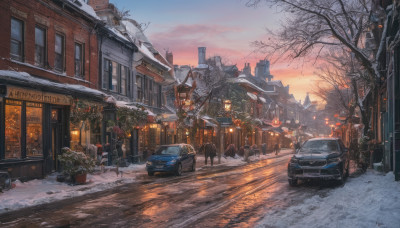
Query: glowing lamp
<point>227,105</point>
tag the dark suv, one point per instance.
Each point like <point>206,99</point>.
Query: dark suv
<point>319,158</point>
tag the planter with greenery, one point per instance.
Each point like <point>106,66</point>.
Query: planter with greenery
<point>76,165</point>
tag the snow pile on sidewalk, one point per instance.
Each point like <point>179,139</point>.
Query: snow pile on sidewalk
<point>48,190</point>
<point>371,200</point>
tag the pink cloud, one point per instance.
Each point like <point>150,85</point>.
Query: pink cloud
<point>183,41</point>
<point>197,29</point>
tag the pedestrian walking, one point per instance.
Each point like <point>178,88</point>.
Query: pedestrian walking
<point>276,148</point>
<point>210,151</point>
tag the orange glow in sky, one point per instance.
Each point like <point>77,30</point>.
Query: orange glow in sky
<point>226,28</point>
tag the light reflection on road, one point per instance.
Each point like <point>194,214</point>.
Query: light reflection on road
<point>216,197</point>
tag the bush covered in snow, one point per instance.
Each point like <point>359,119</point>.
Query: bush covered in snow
<point>76,162</point>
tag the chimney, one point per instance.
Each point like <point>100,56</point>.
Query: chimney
<point>202,55</point>
<point>170,57</point>
<point>98,4</point>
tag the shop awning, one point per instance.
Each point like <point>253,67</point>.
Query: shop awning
<point>252,96</point>
<point>169,118</point>
<point>274,129</point>
<point>208,121</point>
<point>262,99</point>
<point>131,105</point>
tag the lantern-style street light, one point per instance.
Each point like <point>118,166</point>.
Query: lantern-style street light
<point>227,105</point>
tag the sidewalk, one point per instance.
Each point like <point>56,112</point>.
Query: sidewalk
<point>36,192</point>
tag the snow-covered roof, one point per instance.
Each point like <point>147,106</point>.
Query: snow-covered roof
<point>245,81</point>
<point>144,50</point>
<point>85,8</point>
<point>142,42</point>
<point>262,99</point>
<point>252,96</point>
<point>275,83</point>
<point>202,66</point>
<point>180,75</point>
<point>132,106</point>
<point>134,32</point>
<point>118,33</point>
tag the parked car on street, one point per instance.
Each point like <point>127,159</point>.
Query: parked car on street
<point>319,158</point>
<point>172,158</point>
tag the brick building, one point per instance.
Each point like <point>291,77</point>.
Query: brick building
<point>55,43</point>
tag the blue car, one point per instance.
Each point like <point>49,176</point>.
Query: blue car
<point>173,159</point>
<point>319,158</point>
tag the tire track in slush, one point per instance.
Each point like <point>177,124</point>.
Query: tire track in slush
<point>261,183</point>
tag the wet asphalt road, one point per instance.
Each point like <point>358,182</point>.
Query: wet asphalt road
<point>211,197</point>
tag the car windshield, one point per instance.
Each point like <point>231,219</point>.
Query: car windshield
<point>319,146</point>
<point>168,150</point>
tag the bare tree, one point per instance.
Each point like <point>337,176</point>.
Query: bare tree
<point>318,27</point>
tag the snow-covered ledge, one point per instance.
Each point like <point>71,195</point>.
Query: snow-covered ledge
<point>25,79</point>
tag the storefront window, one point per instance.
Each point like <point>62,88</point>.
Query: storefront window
<point>34,132</point>
<point>75,137</point>
<point>13,129</point>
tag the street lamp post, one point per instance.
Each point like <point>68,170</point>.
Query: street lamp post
<point>227,108</point>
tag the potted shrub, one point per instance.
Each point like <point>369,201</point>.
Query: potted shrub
<point>76,165</point>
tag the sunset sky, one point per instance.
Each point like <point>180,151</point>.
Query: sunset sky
<point>225,27</point>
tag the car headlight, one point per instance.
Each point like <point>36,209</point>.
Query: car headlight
<point>333,160</point>
<point>149,163</point>
<point>171,162</point>
<point>294,160</point>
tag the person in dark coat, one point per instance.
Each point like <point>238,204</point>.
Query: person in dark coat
<point>276,148</point>
<point>210,150</point>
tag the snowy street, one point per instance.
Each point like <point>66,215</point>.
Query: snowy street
<point>233,194</point>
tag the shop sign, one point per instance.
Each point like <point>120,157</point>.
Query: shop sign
<point>37,96</point>
<point>224,121</point>
<point>3,90</point>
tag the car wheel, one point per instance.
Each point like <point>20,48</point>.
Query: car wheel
<point>150,173</point>
<point>342,178</point>
<point>178,171</point>
<point>347,169</point>
<point>292,182</point>
<point>193,166</point>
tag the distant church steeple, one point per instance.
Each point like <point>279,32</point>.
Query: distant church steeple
<point>307,101</point>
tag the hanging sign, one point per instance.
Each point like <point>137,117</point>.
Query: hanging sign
<point>276,123</point>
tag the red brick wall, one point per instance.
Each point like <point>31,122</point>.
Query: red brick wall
<point>54,19</point>
<point>99,4</point>
<point>144,70</point>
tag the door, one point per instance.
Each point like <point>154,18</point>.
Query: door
<point>56,136</point>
